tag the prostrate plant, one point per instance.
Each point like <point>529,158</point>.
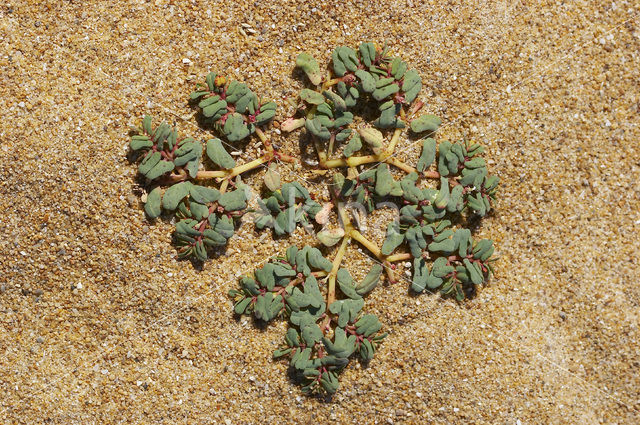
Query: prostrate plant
<point>448,185</point>
<point>174,169</point>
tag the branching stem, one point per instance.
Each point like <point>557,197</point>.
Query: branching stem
<point>331,291</point>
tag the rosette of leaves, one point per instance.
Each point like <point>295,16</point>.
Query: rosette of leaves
<point>462,161</point>
<point>285,208</point>
<point>232,107</point>
<point>331,117</point>
<point>163,153</point>
<point>206,217</point>
<point>361,76</point>
<point>317,345</point>
<point>459,267</point>
<point>372,185</point>
<point>275,288</point>
<point>372,73</point>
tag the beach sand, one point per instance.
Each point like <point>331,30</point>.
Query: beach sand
<point>100,323</point>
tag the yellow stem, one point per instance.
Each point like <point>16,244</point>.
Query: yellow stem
<point>331,82</point>
<point>373,248</point>
<point>223,186</point>
<point>399,257</point>
<point>331,292</point>
<point>264,139</point>
<point>401,165</point>
<point>228,174</point>
<point>249,166</point>
<point>204,175</point>
<point>394,140</point>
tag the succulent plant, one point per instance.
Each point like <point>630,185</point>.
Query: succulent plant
<point>322,303</point>
<point>179,181</point>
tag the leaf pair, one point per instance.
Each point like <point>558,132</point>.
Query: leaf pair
<point>285,208</point>
<point>348,287</point>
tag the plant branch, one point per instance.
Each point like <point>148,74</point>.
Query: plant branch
<point>398,257</point>
<point>331,291</point>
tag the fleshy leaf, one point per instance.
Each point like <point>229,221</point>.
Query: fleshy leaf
<point>218,154</point>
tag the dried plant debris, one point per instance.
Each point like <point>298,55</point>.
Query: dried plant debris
<point>199,182</point>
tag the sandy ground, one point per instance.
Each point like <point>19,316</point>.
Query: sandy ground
<point>100,324</point>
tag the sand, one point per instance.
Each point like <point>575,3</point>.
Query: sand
<point>100,323</point>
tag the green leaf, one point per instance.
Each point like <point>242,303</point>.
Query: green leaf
<point>411,85</point>
<point>441,268</point>
<point>382,93</point>
<point>241,307</point>
<point>223,225</point>
<point>366,350</point>
<point>344,59</point>
<point>311,334</point>
<point>462,240</point>
<point>398,68</point>
<point>428,154</point>
<point>140,142</point>
<point>338,102</point>
<point>213,238</point>
<point>279,353</point>
<point>373,138</point>
<point>347,310</point>
<point>153,206</point>
<point>367,53</point>
<point>330,237</point>
<point>476,277</point>
<point>200,251</point>
<point>384,180</point>
<point>285,221</point>
<point>367,81</point>
<point>161,168</point>
<point>483,250</point>
<point>420,275</point>
<point>311,96</point>
<point>215,110</point>
<point>210,100</point>
<point>149,161</point>
<point>442,199</point>
<point>329,382</point>
<point>425,123</point>
<point>340,348</point>
<point>393,240</point>
<point>368,325</point>
<point>370,281</point>
<point>267,112</point>
<point>272,178</point>
<point>346,284</point>
<point>146,124</point>
<point>211,80</point>
<point>456,201</point>
<point>195,95</point>
<point>218,154</point>
<point>310,66</point>
<point>199,211</point>
<point>316,127</point>
<point>446,246</point>
<point>233,201</point>
<point>317,261</point>
<point>203,194</point>
<point>175,194</point>
<point>235,128</point>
